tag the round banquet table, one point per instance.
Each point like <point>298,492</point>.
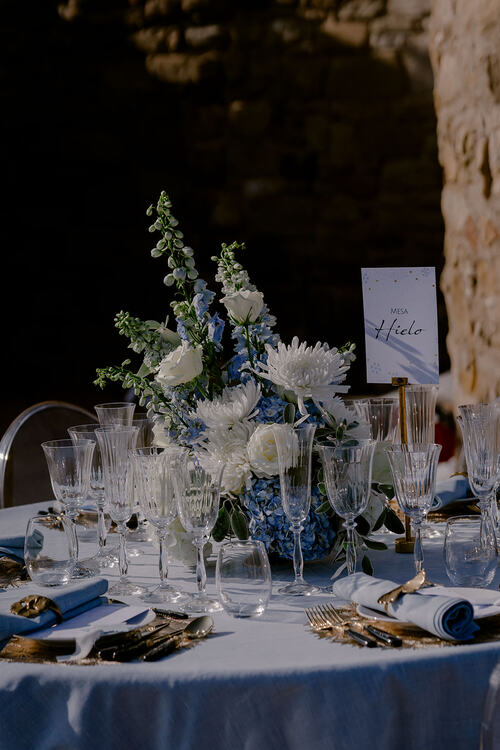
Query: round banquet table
<point>256,683</point>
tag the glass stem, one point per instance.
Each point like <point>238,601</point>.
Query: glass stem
<point>123,560</point>
<point>298,560</point>
<point>101,528</point>
<point>72,514</point>
<point>201,573</point>
<point>418,552</point>
<point>350,552</point>
<point>163,562</point>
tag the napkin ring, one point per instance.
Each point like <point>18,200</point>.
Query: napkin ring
<point>410,587</point>
<point>33,605</point>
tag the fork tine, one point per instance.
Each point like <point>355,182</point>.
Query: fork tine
<point>332,612</point>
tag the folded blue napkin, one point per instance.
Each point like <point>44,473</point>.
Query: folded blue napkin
<point>72,600</point>
<point>451,490</point>
<point>448,617</point>
<point>12,546</point>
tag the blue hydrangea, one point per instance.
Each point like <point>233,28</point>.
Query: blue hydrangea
<point>270,409</point>
<point>269,524</point>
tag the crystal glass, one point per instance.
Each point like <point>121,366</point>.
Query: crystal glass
<point>480,427</point>
<point>69,463</point>
<point>116,412</point>
<point>414,470</point>
<point>347,471</point>
<point>470,551</point>
<point>421,413</point>
<point>116,444</point>
<point>104,557</point>
<point>243,578</point>
<point>156,489</point>
<point>294,449</point>
<point>144,439</point>
<point>198,493</point>
<point>50,549</point>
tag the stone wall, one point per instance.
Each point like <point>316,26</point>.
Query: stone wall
<point>304,128</point>
<point>464,39</point>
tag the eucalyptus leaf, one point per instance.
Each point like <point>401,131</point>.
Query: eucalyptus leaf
<point>322,488</point>
<point>323,508</point>
<point>222,525</point>
<point>366,565</point>
<point>372,544</point>
<point>289,414</point>
<point>392,522</point>
<point>386,489</point>
<point>239,524</point>
<point>379,522</point>
<point>362,526</point>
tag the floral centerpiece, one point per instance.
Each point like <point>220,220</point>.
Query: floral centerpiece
<point>224,406</point>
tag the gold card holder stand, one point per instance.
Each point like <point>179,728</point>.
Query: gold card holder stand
<point>403,544</point>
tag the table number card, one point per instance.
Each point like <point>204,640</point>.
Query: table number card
<point>401,330</point>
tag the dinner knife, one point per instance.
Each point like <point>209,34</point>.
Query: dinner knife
<point>382,635</point>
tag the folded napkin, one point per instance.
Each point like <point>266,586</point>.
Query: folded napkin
<point>448,617</point>
<point>451,490</point>
<point>12,546</point>
<point>72,600</point>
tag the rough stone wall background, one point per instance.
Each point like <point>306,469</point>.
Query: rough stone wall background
<point>464,39</point>
<point>305,128</point>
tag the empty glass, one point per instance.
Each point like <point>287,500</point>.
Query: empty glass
<point>116,412</point>
<point>294,448</point>
<point>414,470</point>
<point>144,439</point>
<point>470,551</point>
<point>50,549</point>
<point>116,444</point>
<point>69,463</point>
<point>198,504</point>
<point>104,557</point>
<point>243,578</point>
<point>347,472</point>
<point>156,489</point>
<point>421,413</point>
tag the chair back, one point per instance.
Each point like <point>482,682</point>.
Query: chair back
<point>24,477</point>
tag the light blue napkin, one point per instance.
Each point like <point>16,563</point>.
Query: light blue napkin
<point>448,617</point>
<point>12,546</point>
<point>72,600</point>
<point>451,490</point>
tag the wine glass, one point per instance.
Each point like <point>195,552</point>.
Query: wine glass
<point>347,472</point>
<point>294,449</point>
<point>421,413</point>
<point>116,412</point>
<point>198,505</point>
<point>115,443</point>
<point>156,490</point>
<point>480,427</point>
<point>69,463</point>
<point>414,470</point>
<point>104,557</point>
<point>144,439</point>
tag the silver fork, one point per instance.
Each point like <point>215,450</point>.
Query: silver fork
<point>381,635</point>
<point>320,620</point>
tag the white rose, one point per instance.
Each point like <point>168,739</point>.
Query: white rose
<point>160,439</point>
<point>181,365</point>
<point>262,452</point>
<point>245,306</point>
<point>171,337</point>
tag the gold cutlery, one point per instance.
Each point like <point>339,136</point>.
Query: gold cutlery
<point>381,635</point>
<point>320,620</point>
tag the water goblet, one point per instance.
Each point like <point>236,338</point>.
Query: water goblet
<point>198,493</point>
<point>104,557</point>
<point>294,449</point>
<point>144,439</point>
<point>421,413</point>
<point>414,470</point>
<point>115,412</point>
<point>50,549</point>
<point>347,471</point>
<point>115,444</point>
<point>69,463</point>
<point>156,489</point>
<point>243,577</point>
<point>470,551</point>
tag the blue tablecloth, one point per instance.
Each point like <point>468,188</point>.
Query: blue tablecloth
<point>264,683</point>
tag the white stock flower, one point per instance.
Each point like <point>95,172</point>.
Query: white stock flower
<point>181,365</point>
<point>245,306</point>
<point>232,406</point>
<point>306,371</point>
<point>228,446</point>
<point>160,439</point>
<point>262,452</point>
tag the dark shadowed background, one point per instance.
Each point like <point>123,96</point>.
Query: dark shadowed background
<point>304,128</point>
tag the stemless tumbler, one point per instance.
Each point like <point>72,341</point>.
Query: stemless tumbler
<point>50,549</point>
<point>115,412</point>
<point>470,551</point>
<point>243,577</point>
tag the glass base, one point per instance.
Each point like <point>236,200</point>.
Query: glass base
<point>141,534</point>
<point>127,588</point>
<point>196,604</point>
<point>134,551</point>
<point>107,559</point>
<point>299,588</point>
<point>83,571</point>
<point>165,595</point>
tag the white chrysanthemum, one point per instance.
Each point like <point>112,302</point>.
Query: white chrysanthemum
<point>307,372</point>
<point>335,411</point>
<point>230,448</point>
<point>232,406</point>
<point>262,452</point>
